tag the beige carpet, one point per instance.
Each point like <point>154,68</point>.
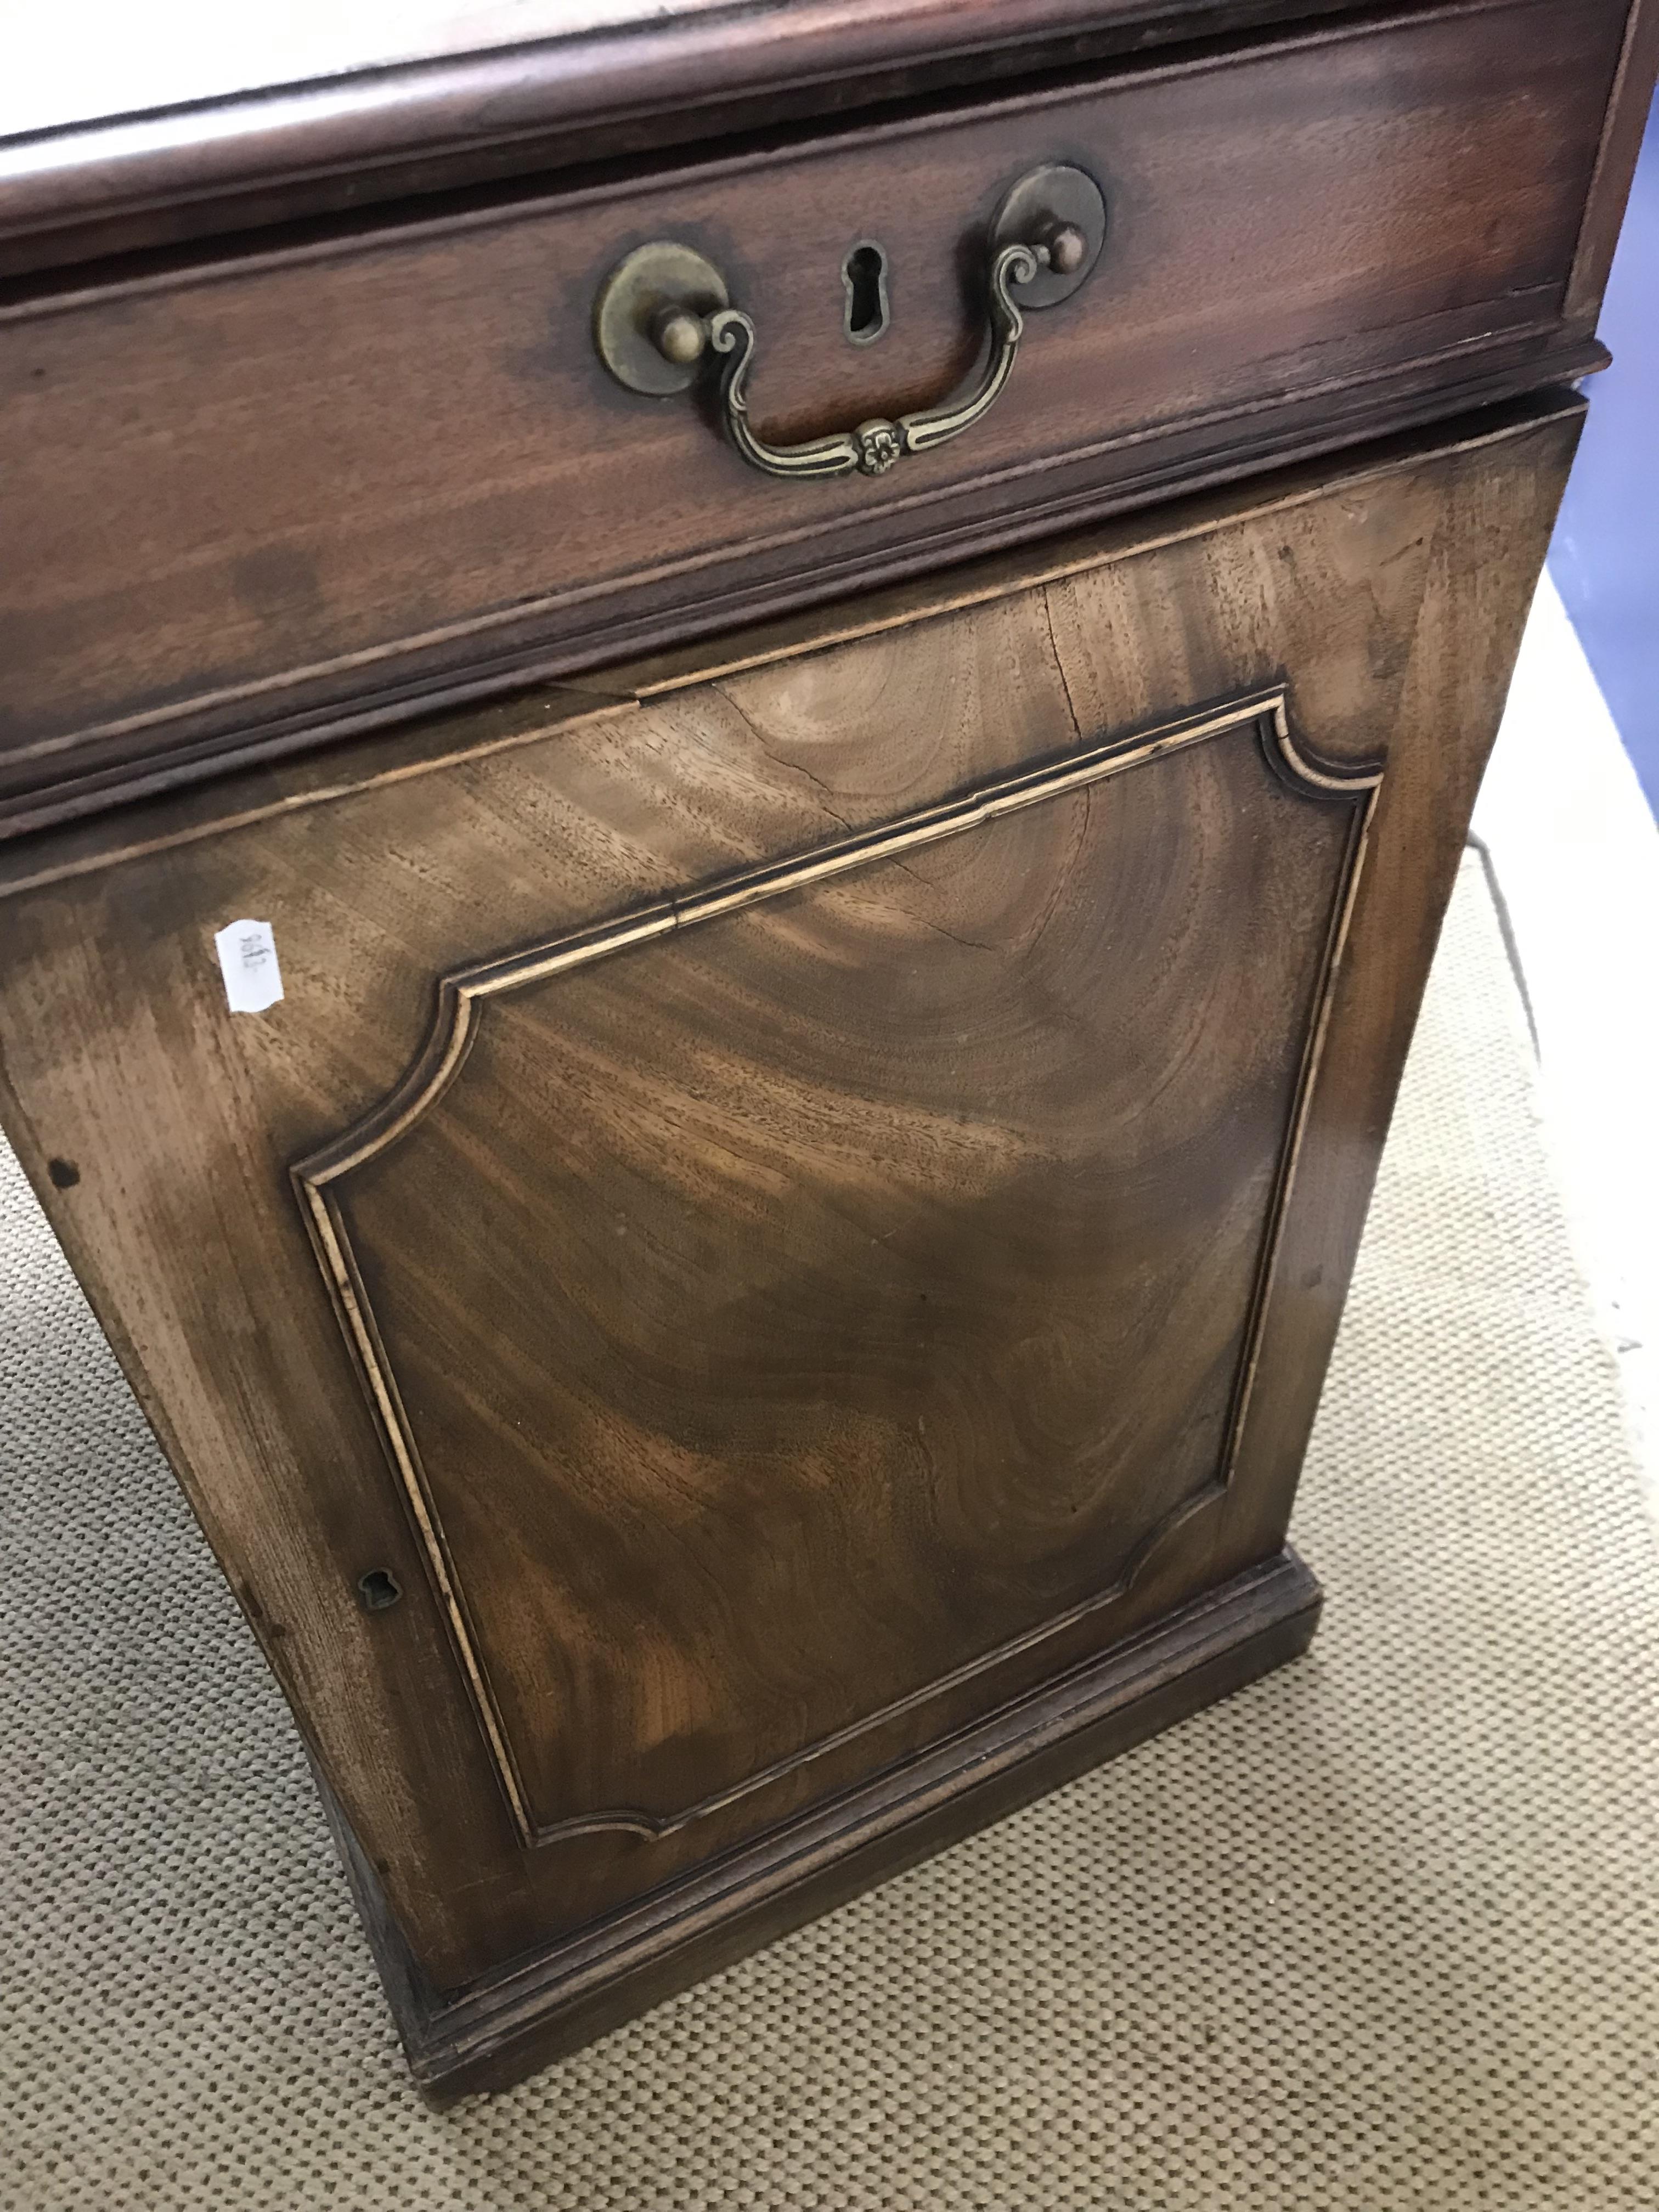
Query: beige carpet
<point>1382,1932</point>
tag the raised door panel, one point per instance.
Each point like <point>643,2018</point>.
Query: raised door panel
<point>796,1305</point>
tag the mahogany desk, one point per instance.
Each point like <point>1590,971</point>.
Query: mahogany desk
<point>838,655</point>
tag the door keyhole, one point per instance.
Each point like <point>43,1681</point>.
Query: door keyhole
<point>377,1589</point>
<point>864,273</point>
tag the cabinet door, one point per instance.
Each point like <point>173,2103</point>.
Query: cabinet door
<point>798,1307</point>
<point>790,1203</point>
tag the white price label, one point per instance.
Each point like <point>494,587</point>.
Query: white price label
<point>247,956</point>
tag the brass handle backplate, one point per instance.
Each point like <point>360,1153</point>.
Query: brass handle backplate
<point>665,310</point>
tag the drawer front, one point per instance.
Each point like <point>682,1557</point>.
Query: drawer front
<point>248,504</point>
<point>789,1211</point>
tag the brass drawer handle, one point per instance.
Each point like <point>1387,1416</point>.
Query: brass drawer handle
<point>664,309</point>
<point>874,446</point>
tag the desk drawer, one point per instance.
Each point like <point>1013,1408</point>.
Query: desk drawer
<point>251,504</point>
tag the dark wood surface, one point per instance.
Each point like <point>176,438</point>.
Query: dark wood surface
<point>890,1294</point>
<point>179,126</point>
<point>1615,164</point>
<point>251,506</point>
<point>499,2028</point>
<point>760,1297</point>
<point>793,1119</point>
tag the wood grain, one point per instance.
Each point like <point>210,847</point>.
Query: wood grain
<point>225,128</point>
<point>346,479</point>
<point>499,2027</point>
<point>1615,164</point>
<point>963,1182</point>
<point>775,1092</point>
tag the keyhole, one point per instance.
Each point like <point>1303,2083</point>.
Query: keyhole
<point>864,273</point>
<point>377,1590</point>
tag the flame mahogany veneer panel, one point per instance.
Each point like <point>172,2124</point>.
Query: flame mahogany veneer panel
<point>801,1322</point>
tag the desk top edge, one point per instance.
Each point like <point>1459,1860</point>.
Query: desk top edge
<point>270,129</point>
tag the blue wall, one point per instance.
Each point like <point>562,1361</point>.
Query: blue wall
<point>1605,557</point>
